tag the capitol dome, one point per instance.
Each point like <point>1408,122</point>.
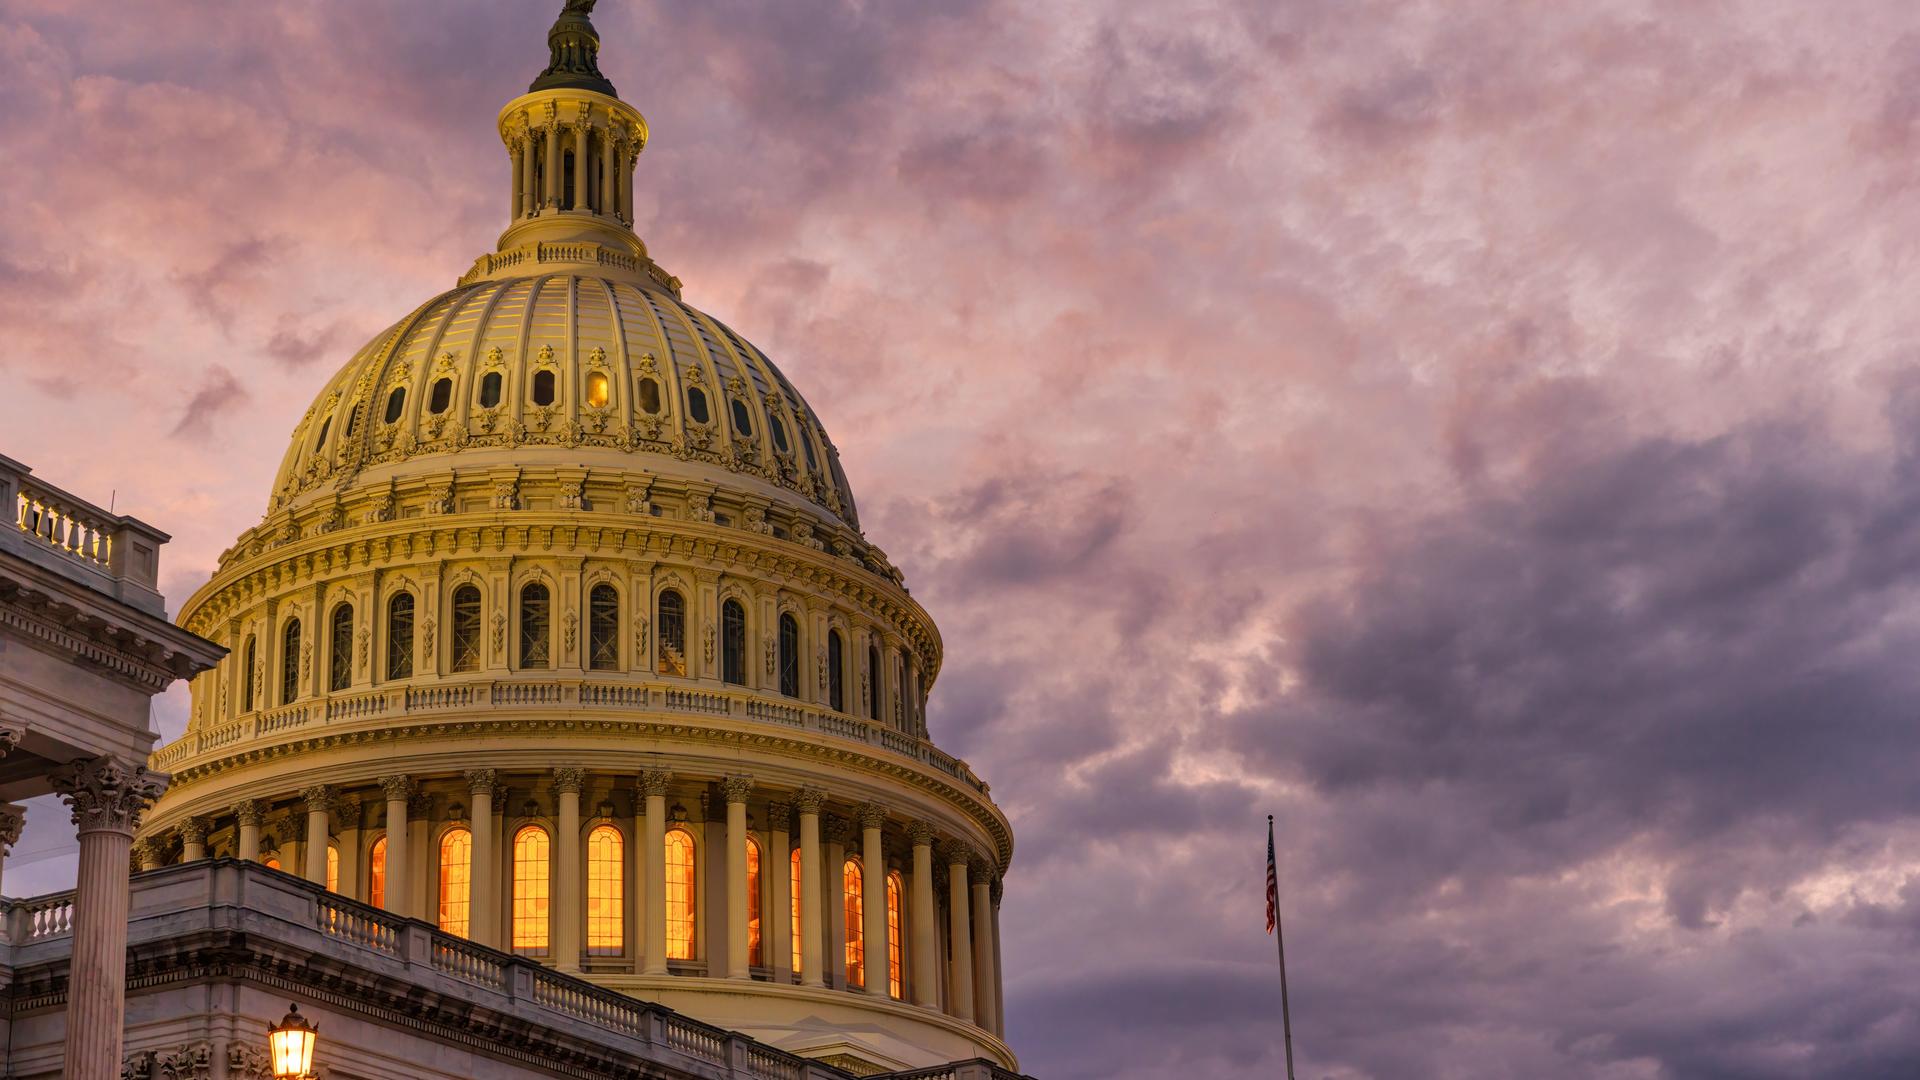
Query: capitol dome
<point>560,635</point>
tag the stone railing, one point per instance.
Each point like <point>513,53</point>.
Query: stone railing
<point>113,554</point>
<point>977,1069</point>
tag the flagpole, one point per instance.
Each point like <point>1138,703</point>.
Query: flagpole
<point>1280,940</point>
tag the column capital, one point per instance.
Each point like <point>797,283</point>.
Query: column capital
<point>958,853</point>
<point>12,817</point>
<point>250,812</point>
<point>398,787</point>
<point>318,797</point>
<point>836,829</point>
<point>981,872</point>
<point>872,815</point>
<point>481,781</point>
<point>107,793</point>
<point>194,830</point>
<point>736,788</point>
<point>779,817</point>
<point>9,738</point>
<point>144,849</point>
<point>567,780</point>
<point>419,804</point>
<point>808,800</point>
<point>920,833</point>
<point>654,782</point>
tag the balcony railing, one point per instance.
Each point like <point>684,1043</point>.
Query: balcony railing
<point>114,554</point>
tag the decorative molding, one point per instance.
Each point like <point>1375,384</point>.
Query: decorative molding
<point>397,787</point>
<point>920,833</point>
<point>107,793</point>
<point>318,797</point>
<point>654,782</point>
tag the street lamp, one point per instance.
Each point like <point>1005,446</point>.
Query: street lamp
<point>291,1044</point>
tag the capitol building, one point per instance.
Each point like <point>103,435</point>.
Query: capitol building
<point>584,727</point>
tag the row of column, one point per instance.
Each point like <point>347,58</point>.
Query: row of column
<point>538,183</point>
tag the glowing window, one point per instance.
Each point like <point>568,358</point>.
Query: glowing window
<point>490,390</point>
<point>322,440</point>
<point>290,663</point>
<point>333,868</point>
<point>649,397</point>
<point>246,677</point>
<point>753,903</point>
<point>543,388</point>
<point>742,420</point>
<point>779,435</point>
<point>597,393</point>
<point>272,863</point>
<point>606,891</point>
<point>789,656</point>
<point>456,881</point>
<point>873,682</point>
<point>466,628</point>
<point>733,642</point>
<point>697,404</point>
<point>673,633</point>
<point>836,683</point>
<point>377,873</point>
<point>856,908</point>
<point>532,890</point>
<point>400,636</point>
<point>793,861</point>
<point>440,396</point>
<point>396,401</point>
<point>340,649</point>
<point>603,628</point>
<point>680,895</point>
<point>534,611</point>
<point>895,959</point>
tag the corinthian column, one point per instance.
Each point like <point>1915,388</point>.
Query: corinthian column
<point>250,813</point>
<point>920,961</point>
<point>580,129</point>
<point>653,786</point>
<point>484,877</point>
<point>519,194</point>
<point>193,839</point>
<point>984,978</point>
<point>813,962</point>
<point>873,883</point>
<point>108,796</point>
<point>776,925</point>
<point>551,194</point>
<point>736,789</point>
<point>12,818</point>
<point>567,906</point>
<point>959,946</point>
<point>319,800</point>
<point>399,789</point>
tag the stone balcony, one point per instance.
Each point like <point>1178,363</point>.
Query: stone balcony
<point>112,554</point>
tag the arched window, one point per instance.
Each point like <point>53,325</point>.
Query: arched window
<point>680,895</point>
<point>400,636</point>
<point>534,612</point>
<point>733,642</point>
<point>377,873</point>
<point>896,891</point>
<point>779,435</point>
<point>851,878</point>
<point>789,656</point>
<point>322,440</point>
<point>490,390</point>
<point>836,688</point>
<point>246,677</point>
<point>333,868</point>
<point>290,663</point>
<point>532,890</point>
<point>396,401</point>
<point>793,892</point>
<point>603,628</point>
<point>340,649</point>
<point>753,904</point>
<point>606,891</point>
<point>697,405</point>
<point>649,397</point>
<point>440,396</point>
<point>466,628</point>
<point>543,388</point>
<point>873,683</point>
<point>597,392</point>
<point>272,862</point>
<point>456,881</point>
<point>742,420</point>
<point>672,632</point>
<point>806,444</point>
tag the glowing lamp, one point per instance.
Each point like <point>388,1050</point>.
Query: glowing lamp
<point>291,1045</point>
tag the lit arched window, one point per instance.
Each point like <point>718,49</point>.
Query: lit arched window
<point>753,903</point>
<point>246,677</point>
<point>649,397</point>
<point>272,863</point>
<point>672,633</point>
<point>697,405</point>
<point>680,895</point>
<point>440,397</point>
<point>793,872</point>
<point>333,868</point>
<point>603,628</point>
<point>490,390</point>
<point>742,422</point>
<point>873,682</point>
<point>532,889</point>
<point>733,642</point>
<point>851,878</point>
<point>543,388</point>
<point>396,401</point>
<point>377,873</point>
<point>466,628</point>
<point>456,881</point>
<point>534,610</point>
<point>789,656</point>
<point>400,636</point>
<point>597,393</point>
<point>895,890</point>
<point>836,687</point>
<point>340,649</point>
<point>290,663</point>
<point>606,892</point>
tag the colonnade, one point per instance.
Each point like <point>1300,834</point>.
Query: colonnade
<point>602,180</point>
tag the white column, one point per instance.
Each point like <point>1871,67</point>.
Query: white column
<point>485,879</point>
<point>250,813</point>
<point>776,926</point>
<point>107,796</point>
<point>626,184</point>
<point>609,188</point>
<point>12,818</point>
<point>550,196</point>
<point>193,839</point>
<point>146,853</point>
<point>921,965</point>
<point>736,789</point>
<point>959,944</point>
<point>873,899</point>
<point>580,164</point>
<point>566,896</point>
<point>983,974</point>
<point>399,789</point>
<point>813,964</point>
<point>319,800</point>
<point>529,196</point>
<point>423,859</point>
<point>519,176</point>
<point>653,785</point>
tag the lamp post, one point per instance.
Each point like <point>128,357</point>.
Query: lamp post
<point>290,1043</point>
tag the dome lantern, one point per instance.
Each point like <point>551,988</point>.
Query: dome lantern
<point>575,49</point>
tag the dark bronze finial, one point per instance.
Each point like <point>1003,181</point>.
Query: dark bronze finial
<point>575,48</point>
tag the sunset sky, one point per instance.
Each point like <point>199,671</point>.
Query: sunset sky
<point>1484,435</point>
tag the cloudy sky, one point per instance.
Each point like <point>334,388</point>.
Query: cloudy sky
<point>1485,435</point>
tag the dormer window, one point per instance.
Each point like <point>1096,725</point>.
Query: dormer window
<point>396,401</point>
<point>697,405</point>
<point>742,421</point>
<point>543,388</point>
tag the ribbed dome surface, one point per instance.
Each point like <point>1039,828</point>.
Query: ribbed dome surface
<point>563,368</point>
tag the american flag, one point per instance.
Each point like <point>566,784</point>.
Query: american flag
<point>1273,882</point>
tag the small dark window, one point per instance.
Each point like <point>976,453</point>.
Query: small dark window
<point>672,622</point>
<point>322,440</point>
<point>789,656</point>
<point>733,643</point>
<point>490,390</point>
<point>836,686</point>
<point>534,613</point>
<point>340,649</point>
<point>603,628</point>
<point>697,404</point>
<point>400,636</point>
<point>806,443</point>
<point>466,628</point>
<point>246,691</point>
<point>353,419</point>
<point>395,402</point>
<point>873,682</point>
<point>442,396</point>
<point>649,397</point>
<point>543,388</point>
<point>290,663</point>
<point>742,423</point>
<point>779,435</point>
